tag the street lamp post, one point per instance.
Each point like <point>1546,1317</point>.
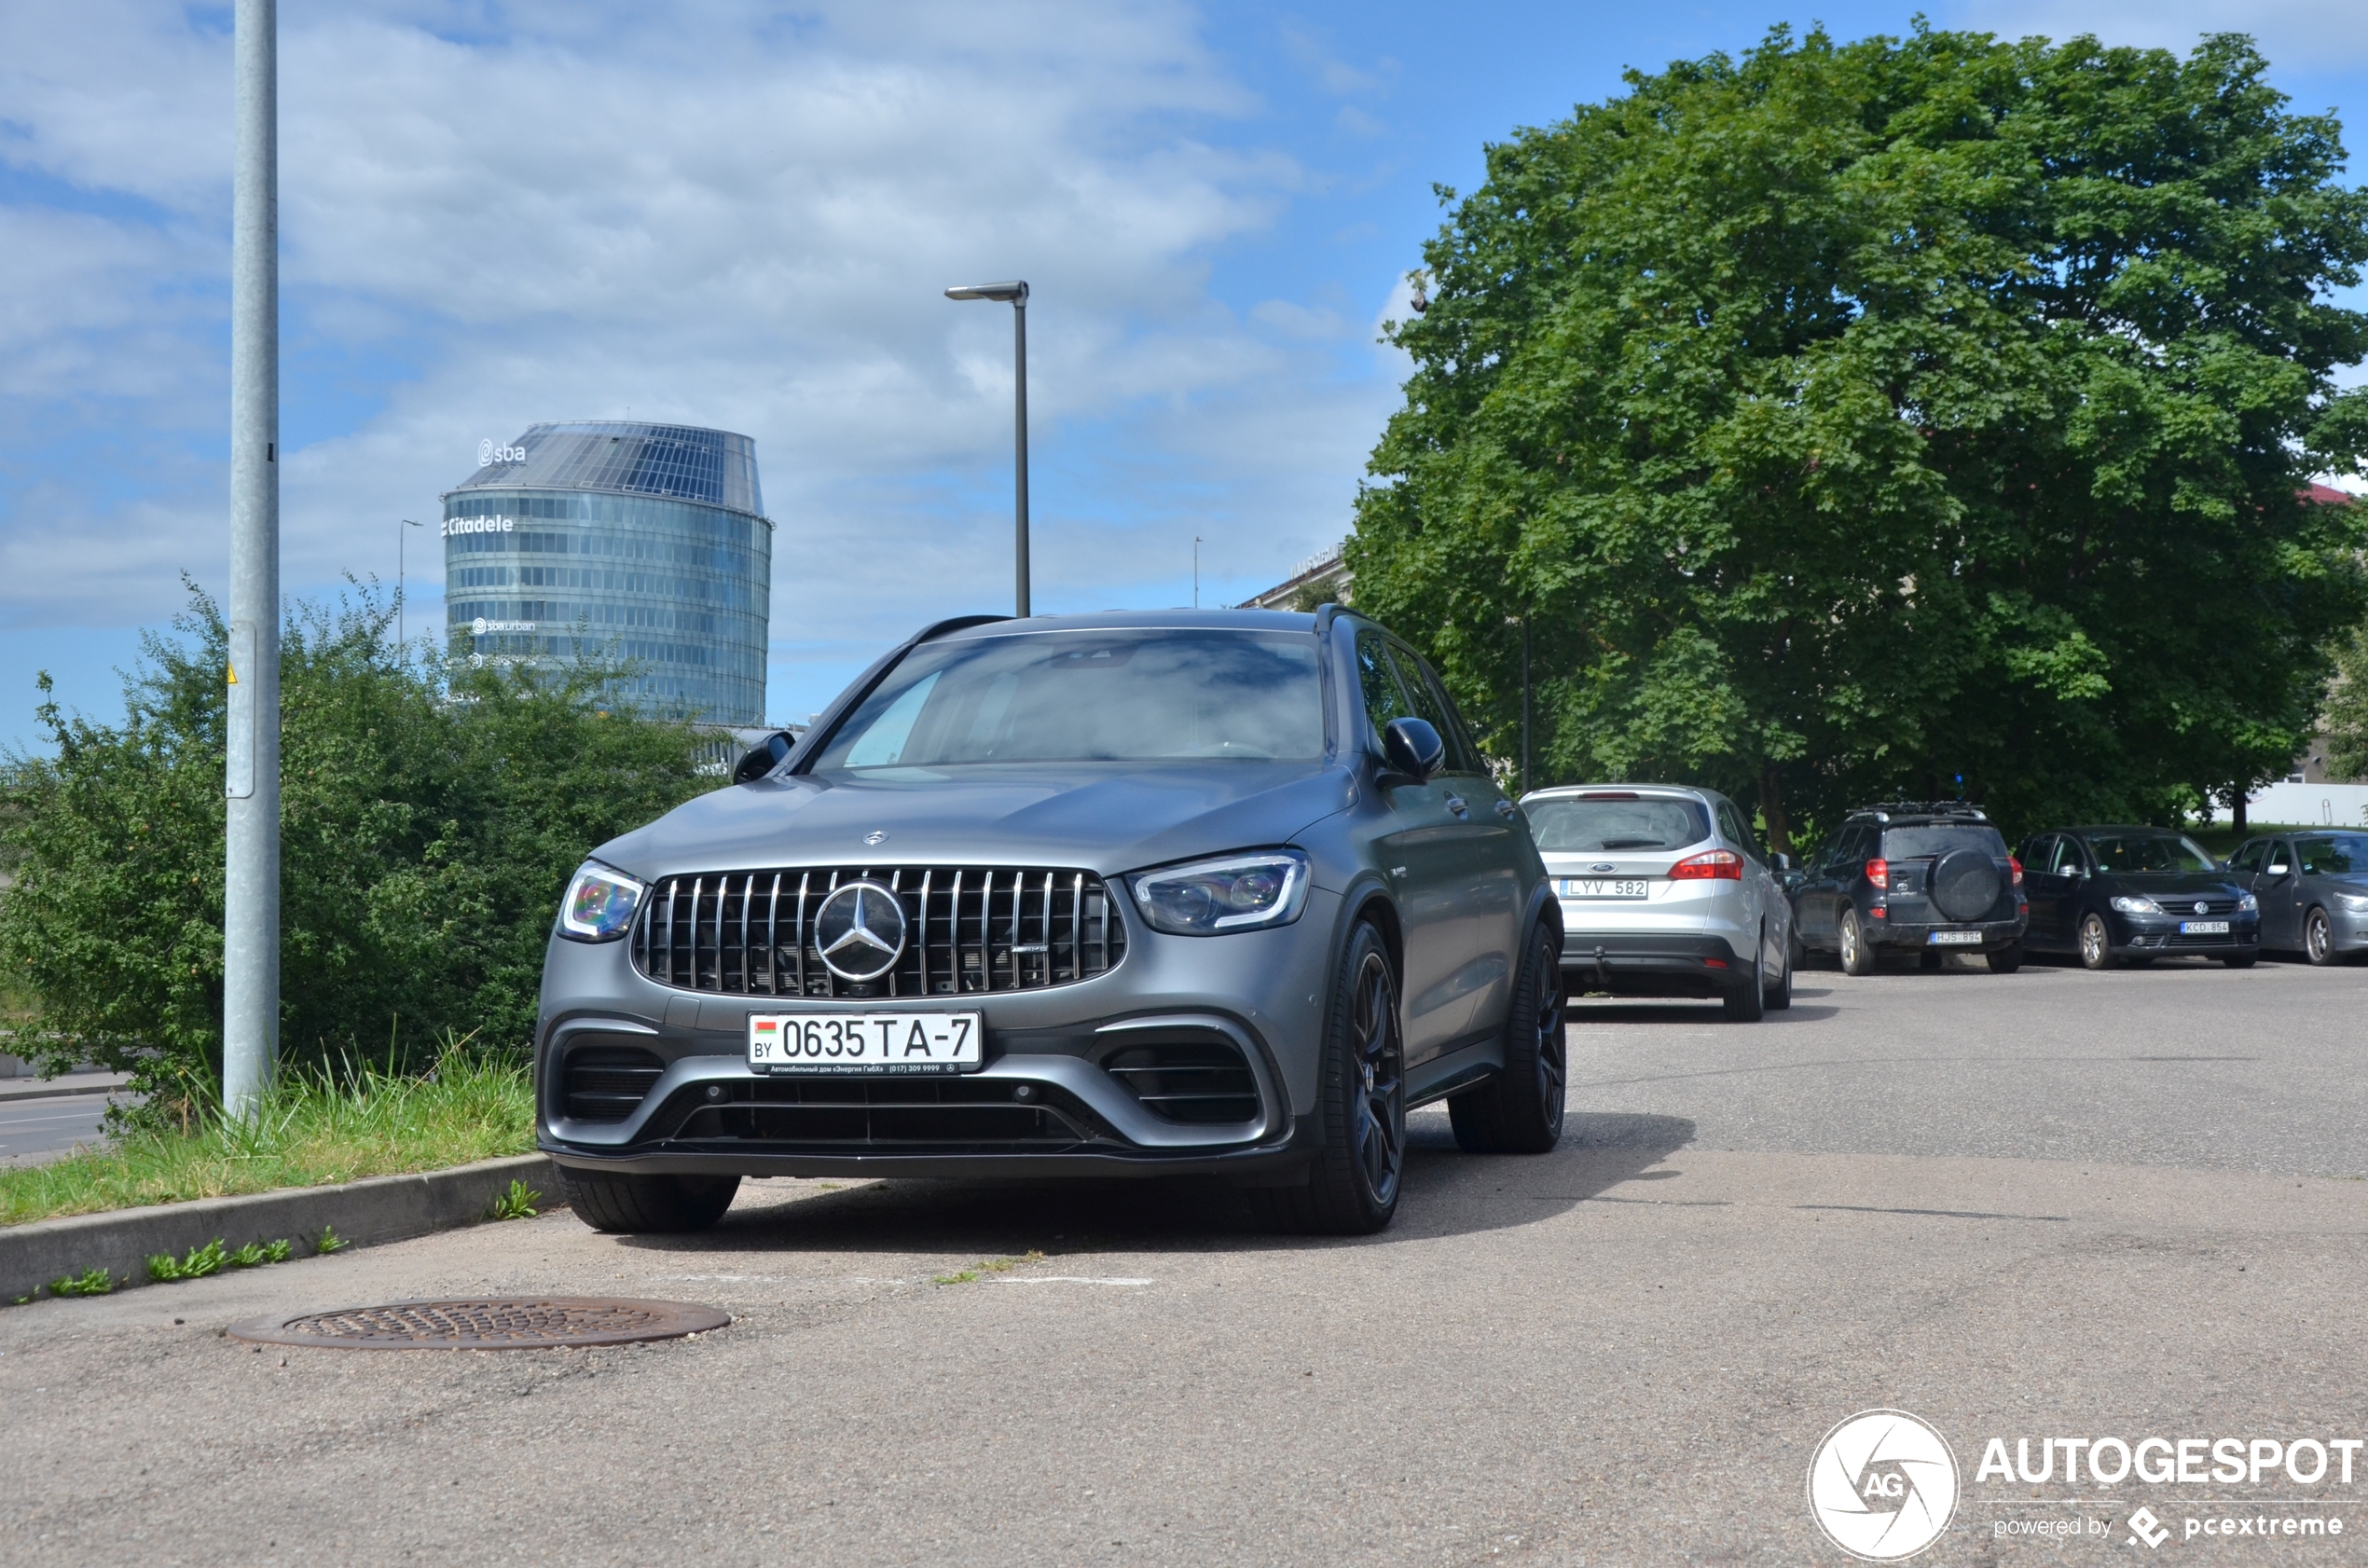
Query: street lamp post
<point>251,831</point>
<point>1196,571</point>
<point>400,538</point>
<point>1015,292</point>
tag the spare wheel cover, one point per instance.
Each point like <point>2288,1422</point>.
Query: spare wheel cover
<point>1965,883</point>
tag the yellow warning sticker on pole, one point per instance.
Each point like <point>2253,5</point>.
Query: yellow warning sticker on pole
<point>234,675</point>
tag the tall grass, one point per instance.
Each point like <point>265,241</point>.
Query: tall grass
<point>312,1129</point>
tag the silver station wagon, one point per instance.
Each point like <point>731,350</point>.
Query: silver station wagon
<point>1665,893</point>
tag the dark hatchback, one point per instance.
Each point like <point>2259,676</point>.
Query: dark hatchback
<point>2131,895</point>
<point>1930,878</point>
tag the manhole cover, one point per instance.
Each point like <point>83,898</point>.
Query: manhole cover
<point>527,1324</point>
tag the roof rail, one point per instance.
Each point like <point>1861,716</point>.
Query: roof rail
<point>1928,808</point>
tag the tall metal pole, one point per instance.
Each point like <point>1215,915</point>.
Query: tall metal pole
<point>1196,571</point>
<point>251,892</point>
<point>1015,293</point>
<point>1525,783</point>
<point>1019,425</point>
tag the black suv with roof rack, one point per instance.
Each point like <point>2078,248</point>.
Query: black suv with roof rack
<point>1934,877</point>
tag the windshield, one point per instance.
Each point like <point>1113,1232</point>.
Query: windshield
<point>2333,855</point>
<point>1091,696</point>
<point>1912,844</point>
<point>2149,852</point>
<point>1593,827</point>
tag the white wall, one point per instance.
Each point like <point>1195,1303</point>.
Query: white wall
<point>2342,806</point>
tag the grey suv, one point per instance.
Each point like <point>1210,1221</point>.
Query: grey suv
<point>1209,892</point>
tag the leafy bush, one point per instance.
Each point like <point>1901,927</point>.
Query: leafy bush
<point>430,816</point>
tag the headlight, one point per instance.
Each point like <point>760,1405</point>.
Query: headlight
<point>2128,905</point>
<point>600,904</point>
<point>1238,893</point>
<point>2356,903</point>
<point>2247,905</point>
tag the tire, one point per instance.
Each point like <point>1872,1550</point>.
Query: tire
<point>2096,943</point>
<point>1353,1183</point>
<point>1781,997</point>
<point>1930,961</point>
<point>2242,960</point>
<point>1857,957</point>
<point>1747,1003</point>
<point>1520,1110</point>
<point>654,1205</point>
<point>2005,961</point>
<point>2318,938</point>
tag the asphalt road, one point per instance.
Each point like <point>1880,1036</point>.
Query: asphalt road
<point>34,1130</point>
<point>2050,1204</point>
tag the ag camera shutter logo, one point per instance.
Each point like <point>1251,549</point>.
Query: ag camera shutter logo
<point>1882,1485</point>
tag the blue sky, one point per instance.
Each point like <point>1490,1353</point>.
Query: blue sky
<point>741,215</point>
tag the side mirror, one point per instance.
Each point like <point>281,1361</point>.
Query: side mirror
<point>1783,862</point>
<point>1412,747</point>
<point>1792,881</point>
<point>2277,868</point>
<point>763,758</point>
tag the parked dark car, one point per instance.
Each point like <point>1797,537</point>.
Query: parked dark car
<point>1909,877</point>
<point>2313,888</point>
<point>2131,895</point>
<point>1218,893</point>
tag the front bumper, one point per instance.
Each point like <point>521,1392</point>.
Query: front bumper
<point>1090,1078</point>
<point>2142,936</point>
<point>1652,963</point>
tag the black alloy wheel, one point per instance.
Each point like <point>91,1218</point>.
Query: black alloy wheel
<point>1353,1183</point>
<point>1780,996</point>
<point>1857,957</point>
<point>650,1205</point>
<point>2096,943</point>
<point>1520,1110</point>
<point>2318,937</point>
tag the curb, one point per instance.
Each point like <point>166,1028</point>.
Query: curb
<point>363,1213</point>
<point>52,1089</point>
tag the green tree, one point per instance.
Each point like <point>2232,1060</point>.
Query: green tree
<point>430,816</point>
<point>1848,418</point>
<point>2347,716</point>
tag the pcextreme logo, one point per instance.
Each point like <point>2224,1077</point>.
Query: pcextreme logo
<point>1882,1485</point>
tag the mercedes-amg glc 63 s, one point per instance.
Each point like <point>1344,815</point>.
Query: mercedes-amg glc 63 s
<point>1138,894</point>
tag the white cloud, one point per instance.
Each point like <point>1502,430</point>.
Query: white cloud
<point>560,209</point>
<point>2307,36</point>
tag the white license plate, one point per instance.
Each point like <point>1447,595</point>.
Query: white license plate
<point>2203,928</point>
<point>864,1042</point>
<point>1604,888</point>
<point>1954,939</point>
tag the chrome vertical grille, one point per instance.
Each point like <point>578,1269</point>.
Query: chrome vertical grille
<point>968,929</point>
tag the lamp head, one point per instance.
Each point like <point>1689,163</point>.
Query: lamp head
<point>1015,290</point>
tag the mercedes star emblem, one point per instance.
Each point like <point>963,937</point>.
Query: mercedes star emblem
<point>859,930</point>
<point>875,837</point>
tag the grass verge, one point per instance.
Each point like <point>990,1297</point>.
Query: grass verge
<point>313,1130</point>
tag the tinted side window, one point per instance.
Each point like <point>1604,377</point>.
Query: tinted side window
<point>1383,701</point>
<point>2067,861</point>
<point>1458,734</point>
<point>1430,704</point>
<point>2249,857</point>
<point>1730,825</point>
<point>2036,851</point>
<point>2336,855</point>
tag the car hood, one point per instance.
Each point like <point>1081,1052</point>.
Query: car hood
<point>1105,818</point>
<point>2171,884</point>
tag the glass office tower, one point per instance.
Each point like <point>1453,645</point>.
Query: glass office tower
<point>605,539</point>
